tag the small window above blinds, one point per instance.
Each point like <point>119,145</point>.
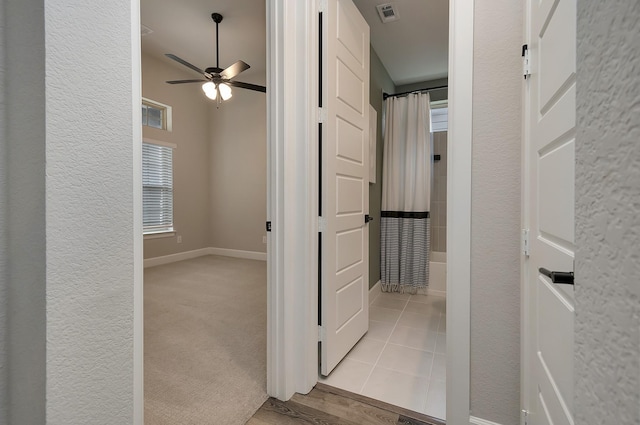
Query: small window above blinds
<point>156,115</point>
<point>157,188</point>
<point>439,118</point>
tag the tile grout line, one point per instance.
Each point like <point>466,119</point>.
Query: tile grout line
<point>385,343</point>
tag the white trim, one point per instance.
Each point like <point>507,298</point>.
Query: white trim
<point>159,143</point>
<point>237,253</point>
<point>160,235</point>
<point>292,355</point>
<point>479,421</point>
<point>374,291</point>
<point>459,210</point>
<point>172,258</point>
<point>138,242</point>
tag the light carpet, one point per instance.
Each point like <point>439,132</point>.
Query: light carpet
<point>205,331</point>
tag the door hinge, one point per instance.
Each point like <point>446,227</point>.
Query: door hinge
<point>320,333</point>
<point>322,115</point>
<point>525,416</point>
<point>322,5</point>
<point>268,226</point>
<point>526,62</point>
<point>322,224</point>
<point>525,242</point>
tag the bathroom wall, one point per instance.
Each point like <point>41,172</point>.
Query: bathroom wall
<point>439,194</point>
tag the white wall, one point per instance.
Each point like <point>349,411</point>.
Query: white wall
<point>495,217</point>
<point>607,266</point>
<point>90,135</point>
<point>69,161</point>
<point>238,171</point>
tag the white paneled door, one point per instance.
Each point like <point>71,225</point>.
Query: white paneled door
<point>549,164</point>
<point>345,181</point>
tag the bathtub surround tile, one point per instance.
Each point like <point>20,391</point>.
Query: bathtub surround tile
<point>415,338</point>
<point>397,388</point>
<point>367,350</point>
<point>349,375</point>
<point>406,360</point>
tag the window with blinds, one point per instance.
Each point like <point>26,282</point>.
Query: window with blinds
<point>157,188</point>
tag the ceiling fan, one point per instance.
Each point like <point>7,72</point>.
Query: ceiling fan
<point>218,82</point>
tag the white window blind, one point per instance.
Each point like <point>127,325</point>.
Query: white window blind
<point>157,188</point>
<point>439,118</point>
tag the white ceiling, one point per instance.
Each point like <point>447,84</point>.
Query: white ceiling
<point>185,28</point>
<point>412,49</point>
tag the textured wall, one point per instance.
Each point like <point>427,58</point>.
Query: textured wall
<point>89,211</point>
<point>191,192</point>
<point>495,222</point>
<point>379,82</point>
<point>607,293</point>
<point>25,144</point>
<point>238,171</point>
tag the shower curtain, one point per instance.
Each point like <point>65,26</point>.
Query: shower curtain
<point>406,194</point>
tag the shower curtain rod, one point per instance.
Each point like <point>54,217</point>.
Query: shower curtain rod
<point>386,95</point>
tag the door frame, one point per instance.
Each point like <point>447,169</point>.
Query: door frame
<point>293,192</point>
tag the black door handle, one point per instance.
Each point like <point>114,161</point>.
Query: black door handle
<point>558,277</point>
<point>367,218</point>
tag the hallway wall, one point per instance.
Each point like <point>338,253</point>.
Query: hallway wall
<point>607,202</point>
<point>495,214</point>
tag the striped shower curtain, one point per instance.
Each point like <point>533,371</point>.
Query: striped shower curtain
<point>406,194</point>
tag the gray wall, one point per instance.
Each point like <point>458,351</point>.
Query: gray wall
<point>379,82</point>
<point>25,211</point>
<point>238,171</point>
<point>69,284</point>
<point>440,94</point>
<point>495,218</point>
<point>191,165</point>
<point>607,266</point>
<point>4,209</point>
<point>439,194</point>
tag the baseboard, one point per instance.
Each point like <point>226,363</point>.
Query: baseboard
<point>250,255</point>
<point>374,291</point>
<point>436,293</point>
<point>479,421</point>
<point>172,258</point>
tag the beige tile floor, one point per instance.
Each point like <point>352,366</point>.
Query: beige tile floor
<point>401,360</point>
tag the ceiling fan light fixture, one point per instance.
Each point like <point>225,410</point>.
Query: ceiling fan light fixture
<point>225,91</point>
<point>210,90</point>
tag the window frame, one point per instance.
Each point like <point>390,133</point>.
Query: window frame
<point>166,111</point>
<point>171,231</point>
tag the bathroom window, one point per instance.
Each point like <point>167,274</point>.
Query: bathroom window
<point>439,116</point>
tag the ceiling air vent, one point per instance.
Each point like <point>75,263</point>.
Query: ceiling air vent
<point>387,12</point>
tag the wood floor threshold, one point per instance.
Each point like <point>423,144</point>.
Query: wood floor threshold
<point>326,405</point>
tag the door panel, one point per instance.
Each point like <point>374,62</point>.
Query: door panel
<point>345,191</point>
<point>550,102</point>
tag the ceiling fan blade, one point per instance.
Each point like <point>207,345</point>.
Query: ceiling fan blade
<point>234,70</point>
<point>249,86</point>
<point>186,81</point>
<point>184,62</point>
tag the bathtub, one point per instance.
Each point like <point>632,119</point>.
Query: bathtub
<point>438,274</point>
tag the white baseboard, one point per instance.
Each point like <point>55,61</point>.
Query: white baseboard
<point>479,421</point>
<point>436,293</point>
<point>180,256</point>
<point>374,291</point>
<point>250,255</point>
